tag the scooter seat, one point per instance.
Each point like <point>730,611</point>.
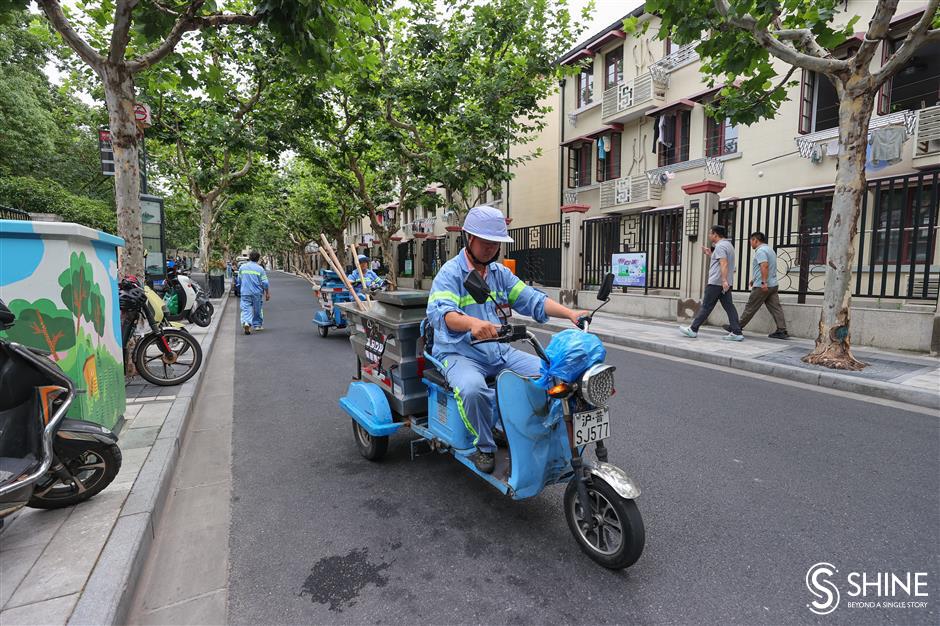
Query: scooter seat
<point>436,377</point>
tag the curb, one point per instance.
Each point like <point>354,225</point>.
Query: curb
<point>840,382</point>
<point>109,591</point>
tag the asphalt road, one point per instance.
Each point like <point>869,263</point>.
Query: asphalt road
<point>746,484</point>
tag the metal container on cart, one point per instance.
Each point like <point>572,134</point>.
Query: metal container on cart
<point>385,340</point>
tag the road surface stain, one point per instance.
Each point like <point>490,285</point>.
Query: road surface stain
<point>338,580</point>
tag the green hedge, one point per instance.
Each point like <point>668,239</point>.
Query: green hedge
<point>37,195</point>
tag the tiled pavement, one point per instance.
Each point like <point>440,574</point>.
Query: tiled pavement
<point>46,557</point>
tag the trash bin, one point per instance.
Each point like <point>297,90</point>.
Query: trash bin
<point>385,340</point>
<point>216,283</point>
<point>60,280</point>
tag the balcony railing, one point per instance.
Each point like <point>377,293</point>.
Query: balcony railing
<point>808,144</point>
<point>628,190</point>
<point>671,62</point>
<point>928,132</point>
<point>625,96</point>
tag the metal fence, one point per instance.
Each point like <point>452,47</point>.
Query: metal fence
<point>406,258</point>
<point>896,244</point>
<point>658,233</point>
<point>9,213</point>
<point>434,256</point>
<point>537,253</point>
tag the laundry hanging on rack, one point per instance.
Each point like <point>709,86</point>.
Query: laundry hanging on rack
<point>871,165</point>
<point>655,133</point>
<point>887,143</point>
<point>832,147</point>
<point>600,148</point>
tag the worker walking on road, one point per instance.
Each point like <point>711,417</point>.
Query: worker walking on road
<point>253,284</point>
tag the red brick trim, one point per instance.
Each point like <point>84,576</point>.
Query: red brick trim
<point>575,208</point>
<point>452,229</point>
<point>706,186</point>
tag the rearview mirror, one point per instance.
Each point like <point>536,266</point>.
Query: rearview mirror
<point>604,292</point>
<point>476,287</point>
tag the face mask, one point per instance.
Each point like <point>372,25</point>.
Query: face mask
<point>478,261</point>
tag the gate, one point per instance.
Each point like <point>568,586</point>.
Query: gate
<point>895,245</point>
<point>537,252</point>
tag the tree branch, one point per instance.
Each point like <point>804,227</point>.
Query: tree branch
<point>56,17</point>
<point>916,37</point>
<point>877,32</point>
<point>776,47</point>
<point>803,36</point>
<point>189,21</point>
<point>120,35</point>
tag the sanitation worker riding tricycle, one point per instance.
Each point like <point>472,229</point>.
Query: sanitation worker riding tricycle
<point>547,427</point>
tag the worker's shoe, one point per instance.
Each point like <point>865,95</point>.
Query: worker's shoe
<point>484,461</point>
<point>247,328</point>
<point>779,334</point>
<point>258,328</point>
<point>688,332</point>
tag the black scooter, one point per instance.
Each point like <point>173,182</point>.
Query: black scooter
<point>46,461</point>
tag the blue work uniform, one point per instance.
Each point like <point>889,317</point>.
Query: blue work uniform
<point>466,366</point>
<point>252,284</point>
<point>372,279</point>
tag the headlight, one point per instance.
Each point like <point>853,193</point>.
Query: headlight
<point>597,384</point>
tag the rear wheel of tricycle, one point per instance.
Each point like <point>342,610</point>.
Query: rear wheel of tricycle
<point>372,448</point>
<point>617,536</point>
<point>323,330</point>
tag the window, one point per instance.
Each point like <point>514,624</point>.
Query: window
<point>902,227</point>
<point>917,85</point>
<point>674,137</point>
<point>613,67</point>
<point>814,229</point>
<point>585,87</point>
<point>579,165</point>
<point>608,158</point>
<point>819,104</point>
<point>720,137</point>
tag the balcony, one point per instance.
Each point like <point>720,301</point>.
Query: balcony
<point>927,138</point>
<point>629,192</point>
<point>671,62</point>
<point>809,144</point>
<point>631,99</point>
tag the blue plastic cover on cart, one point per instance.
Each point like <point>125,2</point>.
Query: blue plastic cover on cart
<point>570,353</point>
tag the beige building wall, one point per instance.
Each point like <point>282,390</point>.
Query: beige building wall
<point>534,192</point>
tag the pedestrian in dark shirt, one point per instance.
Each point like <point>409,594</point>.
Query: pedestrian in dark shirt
<point>718,289</point>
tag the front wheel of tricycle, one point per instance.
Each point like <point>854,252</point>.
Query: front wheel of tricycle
<point>617,536</point>
<point>323,330</point>
<point>372,448</point>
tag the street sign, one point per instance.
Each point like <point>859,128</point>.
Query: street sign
<point>629,269</point>
<point>106,151</point>
<point>142,115</point>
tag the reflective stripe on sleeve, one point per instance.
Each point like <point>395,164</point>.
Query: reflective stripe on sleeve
<point>515,291</point>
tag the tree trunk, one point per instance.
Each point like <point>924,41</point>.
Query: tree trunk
<point>833,345</point>
<point>119,98</point>
<point>389,252</point>
<point>205,231</point>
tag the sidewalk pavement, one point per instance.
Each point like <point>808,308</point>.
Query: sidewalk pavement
<point>901,377</point>
<point>78,564</point>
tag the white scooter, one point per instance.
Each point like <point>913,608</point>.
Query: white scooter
<point>185,299</point>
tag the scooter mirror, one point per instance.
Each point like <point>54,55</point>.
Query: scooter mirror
<point>7,318</point>
<point>477,287</point>
<point>604,292</point>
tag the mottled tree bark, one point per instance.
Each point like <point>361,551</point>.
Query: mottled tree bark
<point>833,343</point>
<point>119,96</point>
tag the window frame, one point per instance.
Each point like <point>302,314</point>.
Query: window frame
<point>585,80</point>
<point>807,118</point>
<point>679,129</point>
<point>611,169</point>
<point>720,143</point>
<point>881,231</point>
<point>579,164</point>
<point>822,246</point>
<point>617,63</point>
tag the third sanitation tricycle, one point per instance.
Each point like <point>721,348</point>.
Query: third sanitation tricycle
<point>548,431</point>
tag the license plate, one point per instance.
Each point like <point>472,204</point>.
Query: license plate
<point>591,426</point>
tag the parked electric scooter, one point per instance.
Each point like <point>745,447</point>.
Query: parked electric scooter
<point>46,461</point>
<point>185,299</point>
<point>548,433</point>
<point>164,355</point>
